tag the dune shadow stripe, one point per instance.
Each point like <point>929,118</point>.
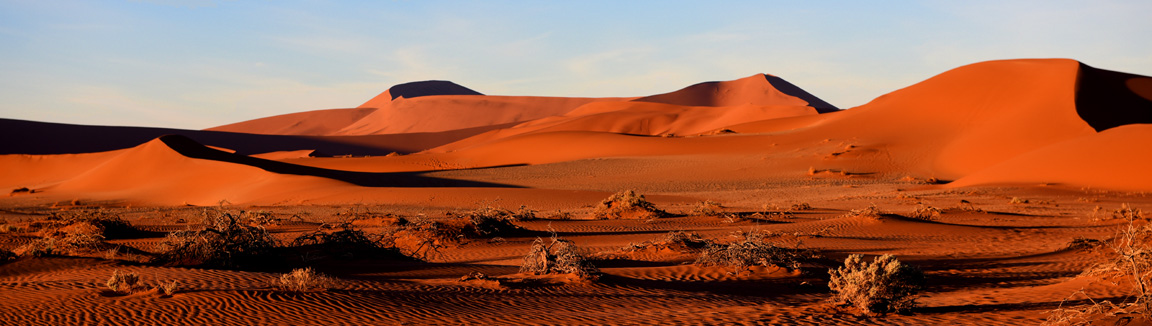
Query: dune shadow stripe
<point>190,148</point>
<point>1105,100</point>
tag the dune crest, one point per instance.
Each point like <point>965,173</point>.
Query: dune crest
<point>759,89</point>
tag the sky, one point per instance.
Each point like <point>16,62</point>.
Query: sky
<point>195,64</point>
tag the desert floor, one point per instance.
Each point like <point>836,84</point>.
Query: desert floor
<point>987,261</point>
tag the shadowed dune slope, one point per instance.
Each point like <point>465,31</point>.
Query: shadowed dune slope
<point>418,89</point>
<point>58,138</point>
<point>1107,99</point>
<point>759,89</point>
<point>176,169</point>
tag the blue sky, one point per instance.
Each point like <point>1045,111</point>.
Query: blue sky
<point>198,64</point>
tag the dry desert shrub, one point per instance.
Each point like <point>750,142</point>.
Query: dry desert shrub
<point>800,207</point>
<point>222,241</point>
<point>752,250</point>
<point>871,212</point>
<point>676,240</point>
<point>1018,200</point>
<point>63,243</point>
<point>881,286</point>
<point>166,289</point>
<point>708,208</point>
<point>304,280</point>
<point>626,204</point>
<point>926,213</point>
<point>345,241</point>
<point>558,257</point>
<point>123,283</point>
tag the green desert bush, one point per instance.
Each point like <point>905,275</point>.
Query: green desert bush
<point>123,282</point>
<point>222,241</point>
<point>304,280</point>
<point>881,286</point>
<point>559,257</point>
<point>753,249</point>
<point>626,204</point>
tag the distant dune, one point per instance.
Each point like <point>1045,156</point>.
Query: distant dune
<point>759,89</point>
<point>997,122</point>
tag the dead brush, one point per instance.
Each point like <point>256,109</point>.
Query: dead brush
<point>926,213</point>
<point>754,249</point>
<point>626,204</point>
<point>123,283</point>
<point>871,212</point>
<point>223,240</point>
<point>559,257</point>
<point>881,286</point>
<point>304,280</point>
<point>345,241</point>
<point>1130,258</point>
<point>708,208</point>
<point>166,289</point>
<point>675,240</point>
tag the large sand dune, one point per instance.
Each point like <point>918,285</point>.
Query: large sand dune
<point>1037,159</point>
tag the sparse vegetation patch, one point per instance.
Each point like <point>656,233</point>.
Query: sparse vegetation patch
<point>881,286</point>
<point>626,205</point>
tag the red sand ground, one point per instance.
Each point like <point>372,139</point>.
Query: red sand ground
<point>1066,137</point>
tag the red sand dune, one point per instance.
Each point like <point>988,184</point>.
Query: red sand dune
<point>311,123</point>
<point>759,89</point>
<point>58,138</point>
<point>450,112</point>
<point>1108,160</point>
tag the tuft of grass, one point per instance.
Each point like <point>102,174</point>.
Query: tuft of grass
<point>626,204</point>
<point>123,283</point>
<point>753,249</point>
<point>304,280</point>
<point>559,257</point>
<point>878,287</point>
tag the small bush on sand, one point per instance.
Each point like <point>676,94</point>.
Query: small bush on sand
<point>489,221</point>
<point>222,241</point>
<point>752,250</point>
<point>871,212</point>
<point>926,213</point>
<point>166,289</point>
<point>708,208</point>
<point>626,204</point>
<point>881,286</point>
<point>62,244</point>
<point>123,283</point>
<point>304,280</point>
<point>559,257</point>
<point>800,207</point>
<point>345,241</point>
